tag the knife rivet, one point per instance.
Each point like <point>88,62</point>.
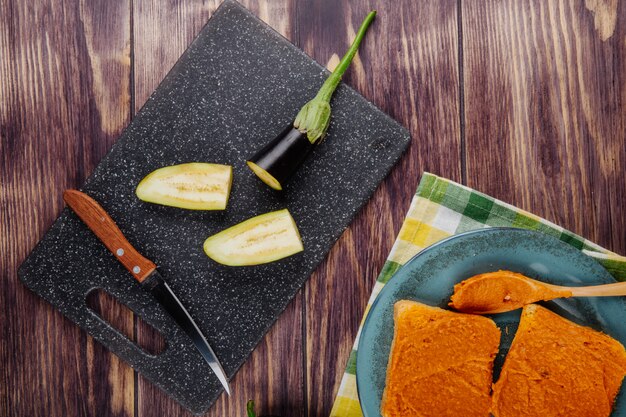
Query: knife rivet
<point>120,252</point>
<point>136,269</point>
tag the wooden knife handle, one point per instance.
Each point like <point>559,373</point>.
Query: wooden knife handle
<point>107,231</point>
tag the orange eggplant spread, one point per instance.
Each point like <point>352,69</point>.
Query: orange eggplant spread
<point>499,291</point>
<point>441,363</point>
<point>558,368</point>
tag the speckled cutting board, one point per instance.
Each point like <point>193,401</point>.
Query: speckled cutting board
<point>234,89</point>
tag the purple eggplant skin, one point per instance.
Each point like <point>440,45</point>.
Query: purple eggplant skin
<point>281,157</point>
<point>277,161</point>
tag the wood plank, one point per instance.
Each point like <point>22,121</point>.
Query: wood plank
<point>273,376</point>
<point>545,89</point>
<point>407,66</point>
<point>64,98</point>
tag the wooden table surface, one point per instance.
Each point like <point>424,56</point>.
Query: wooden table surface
<point>523,100</point>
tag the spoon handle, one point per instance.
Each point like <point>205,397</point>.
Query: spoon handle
<point>606,290</point>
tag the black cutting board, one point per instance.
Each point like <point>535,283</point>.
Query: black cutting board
<point>234,89</point>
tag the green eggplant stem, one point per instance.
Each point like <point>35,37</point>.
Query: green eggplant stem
<point>250,409</point>
<point>331,83</point>
<point>314,118</point>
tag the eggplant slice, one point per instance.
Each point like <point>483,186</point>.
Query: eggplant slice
<point>194,186</point>
<point>277,161</point>
<point>259,240</point>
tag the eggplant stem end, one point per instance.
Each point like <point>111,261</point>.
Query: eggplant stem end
<point>314,117</point>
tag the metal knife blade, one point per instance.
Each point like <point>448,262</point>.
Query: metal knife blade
<point>168,300</point>
<point>144,271</point>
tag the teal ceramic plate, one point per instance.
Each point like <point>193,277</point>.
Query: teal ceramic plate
<point>430,276</point>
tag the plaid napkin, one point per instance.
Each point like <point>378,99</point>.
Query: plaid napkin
<point>442,208</point>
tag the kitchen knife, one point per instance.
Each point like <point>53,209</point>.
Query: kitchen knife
<point>143,270</point>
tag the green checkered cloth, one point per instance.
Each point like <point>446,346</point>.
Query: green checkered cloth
<point>442,208</point>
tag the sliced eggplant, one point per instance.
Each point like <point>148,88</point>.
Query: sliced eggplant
<point>194,186</point>
<point>259,240</point>
<point>277,161</point>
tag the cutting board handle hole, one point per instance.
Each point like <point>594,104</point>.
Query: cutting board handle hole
<point>122,319</point>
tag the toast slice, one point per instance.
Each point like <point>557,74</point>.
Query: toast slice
<point>558,368</point>
<point>441,363</point>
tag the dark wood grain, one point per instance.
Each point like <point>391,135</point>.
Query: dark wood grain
<point>523,100</point>
<point>545,90</point>
<point>64,98</point>
<point>407,66</point>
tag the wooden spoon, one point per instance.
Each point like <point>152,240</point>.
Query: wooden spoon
<point>500,291</point>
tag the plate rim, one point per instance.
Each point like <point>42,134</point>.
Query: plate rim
<point>421,253</point>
